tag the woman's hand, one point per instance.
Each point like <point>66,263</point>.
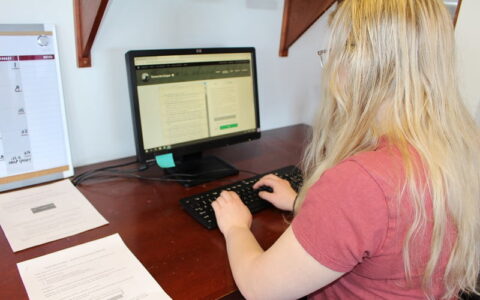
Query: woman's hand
<point>282,197</point>
<point>230,212</point>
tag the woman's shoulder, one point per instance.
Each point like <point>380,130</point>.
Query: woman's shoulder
<point>383,164</point>
<point>380,168</point>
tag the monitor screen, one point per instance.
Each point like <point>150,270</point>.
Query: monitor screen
<point>188,100</point>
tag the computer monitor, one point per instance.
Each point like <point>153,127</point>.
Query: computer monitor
<point>185,101</point>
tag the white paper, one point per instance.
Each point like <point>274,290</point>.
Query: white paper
<point>100,270</point>
<point>38,215</point>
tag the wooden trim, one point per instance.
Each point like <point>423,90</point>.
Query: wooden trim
<point>19,177</point>
<point>285,23</point>
<point>88,16</point>
<point>298,16</point>
<point>457,11</point>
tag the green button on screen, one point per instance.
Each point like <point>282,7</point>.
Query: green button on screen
<point>228,126</point>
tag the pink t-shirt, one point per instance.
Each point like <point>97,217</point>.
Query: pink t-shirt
<point>352,221</point>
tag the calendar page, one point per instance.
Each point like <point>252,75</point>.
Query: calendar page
<point>34,144</point>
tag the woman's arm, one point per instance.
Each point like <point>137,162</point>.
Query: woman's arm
<point>284,271</point>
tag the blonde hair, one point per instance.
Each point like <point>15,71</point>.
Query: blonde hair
<point>391,72</point>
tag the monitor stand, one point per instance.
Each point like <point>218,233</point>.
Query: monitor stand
<point>193,169</point>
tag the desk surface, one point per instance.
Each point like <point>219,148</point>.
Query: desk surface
<point>187,260</point>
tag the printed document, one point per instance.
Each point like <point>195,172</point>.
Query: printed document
<point>103,269</point>
<point>38,215</point>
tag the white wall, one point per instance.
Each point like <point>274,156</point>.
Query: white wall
<point>467,34</point>
<point>97,101</point>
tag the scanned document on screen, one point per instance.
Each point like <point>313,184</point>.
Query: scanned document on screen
<point>103,269</point>
<point>38,215</point>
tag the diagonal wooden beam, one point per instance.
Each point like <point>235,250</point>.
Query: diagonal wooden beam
<point>88,15</point>
<point>298,16</point>
<point>457,11</point>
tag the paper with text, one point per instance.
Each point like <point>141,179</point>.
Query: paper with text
<point>38,215</point>
<point>103,269</point>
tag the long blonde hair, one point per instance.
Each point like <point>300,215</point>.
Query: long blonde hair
<point>391,72</point>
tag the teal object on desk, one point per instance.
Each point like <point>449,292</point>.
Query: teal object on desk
<point>165,160</point>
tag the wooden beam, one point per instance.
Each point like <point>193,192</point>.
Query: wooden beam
<point>298,16</point>
<point>457,11</point>
<point>88,16</point>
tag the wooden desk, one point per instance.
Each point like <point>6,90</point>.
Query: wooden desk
<point>187,260</point>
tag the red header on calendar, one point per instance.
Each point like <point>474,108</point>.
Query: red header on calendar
<point>36,57</point>
<point>27,57</point>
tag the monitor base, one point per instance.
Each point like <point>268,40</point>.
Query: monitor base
<point>195,169</point>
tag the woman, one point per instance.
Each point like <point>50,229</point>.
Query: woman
<point>390,205</point>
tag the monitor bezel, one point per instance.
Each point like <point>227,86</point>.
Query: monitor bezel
<point>178,151</point>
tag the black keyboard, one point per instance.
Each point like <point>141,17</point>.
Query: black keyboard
<point>199,206</point>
